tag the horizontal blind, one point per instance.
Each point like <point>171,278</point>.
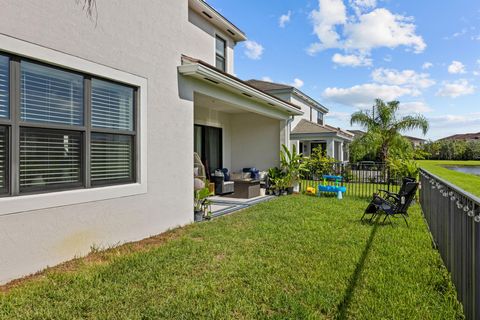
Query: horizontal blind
<point>112,158</point>
<point>49,158</point>
<point>3,159</point>
<point>51,95</point>
<point>112,105</point>
<point>4,87</point>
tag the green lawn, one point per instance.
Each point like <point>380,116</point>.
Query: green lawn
<point>295,257</point>
<point>467,182</point>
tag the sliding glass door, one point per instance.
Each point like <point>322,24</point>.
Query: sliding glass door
<point>208,145</point>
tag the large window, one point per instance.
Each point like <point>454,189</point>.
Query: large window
<point>61,129</point>
<point>221,53</point>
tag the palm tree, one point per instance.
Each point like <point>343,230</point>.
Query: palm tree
<point>385,126</point>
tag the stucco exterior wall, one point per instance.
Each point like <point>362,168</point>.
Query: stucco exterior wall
<point>144,38</point>
<point>255,141</point>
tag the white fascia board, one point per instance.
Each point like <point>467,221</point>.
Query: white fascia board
<point>217,19</point>
<point>201,71</point>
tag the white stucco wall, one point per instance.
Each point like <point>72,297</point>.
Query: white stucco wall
<point>144,38</point>
<point>255,142</point>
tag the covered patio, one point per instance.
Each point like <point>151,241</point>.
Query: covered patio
<point>236,126</point>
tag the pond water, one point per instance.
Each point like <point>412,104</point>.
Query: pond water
<point>466,169</point>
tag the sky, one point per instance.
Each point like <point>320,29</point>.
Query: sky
<point>346,53</point>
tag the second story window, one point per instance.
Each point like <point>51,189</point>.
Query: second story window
<point>220,53</point>
<point>320,118</point>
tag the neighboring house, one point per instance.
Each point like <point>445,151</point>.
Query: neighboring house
<point>463,137</point>
<point>75,137</point>
<point>357,133</point>
<point>309,131</point>
<point>416,142</point>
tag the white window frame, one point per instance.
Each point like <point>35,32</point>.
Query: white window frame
<point>24,203</point>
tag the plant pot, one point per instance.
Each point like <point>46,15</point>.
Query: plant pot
<point>276,192</point>
<point>198,215</point>
<point>284,192</point>
<point>290,190</point>
<point>296,187</point>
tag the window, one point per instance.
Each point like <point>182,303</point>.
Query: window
<point>4,87</point>
<point>221,53</point>
<point>68,130</point>
<point>320,118</point>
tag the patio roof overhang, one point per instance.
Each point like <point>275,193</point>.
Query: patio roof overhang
<point>260,102</point>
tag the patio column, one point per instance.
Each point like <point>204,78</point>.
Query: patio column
<point>331,148</point>
<point>285,133</point>
<point>340,151</point>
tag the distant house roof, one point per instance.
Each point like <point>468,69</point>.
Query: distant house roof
<point>415,139</point>
<point>268,86</point>
<point>273,88</point>
<point>464,136</point>
<point>357,133</point>
<point>309,128</point>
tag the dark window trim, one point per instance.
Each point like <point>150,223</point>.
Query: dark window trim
<point>59,186</point>
<point>15,123</point>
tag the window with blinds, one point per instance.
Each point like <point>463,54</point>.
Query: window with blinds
<point>4,87</point>
<point>112,158</point>
<point>3,160</point>
<point>48,139</point>
<point>112,105</point>
<point>51,95</point>
<point>49,159</point>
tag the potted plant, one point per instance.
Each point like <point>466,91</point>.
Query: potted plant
<point>201,204</point>
<point>293,167</point>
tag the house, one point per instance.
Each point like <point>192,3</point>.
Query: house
<point>463,137</point>
<point>100,116</point>
<point>357,133</point>
<point>309,130</point>
<point>416,142</point>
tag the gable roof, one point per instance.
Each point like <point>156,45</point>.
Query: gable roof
<point>273,88</point>
<point>308,127</point>
<point>267,86</point>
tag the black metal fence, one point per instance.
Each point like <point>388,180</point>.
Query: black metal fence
<point>361,179</point>
<point>453,217</point>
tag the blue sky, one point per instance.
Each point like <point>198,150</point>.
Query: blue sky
<point>344,53</point>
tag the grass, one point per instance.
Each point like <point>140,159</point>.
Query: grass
<point>295,257</point>
<point>467,182</point>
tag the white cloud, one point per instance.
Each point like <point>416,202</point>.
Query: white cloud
<point>253,50</point>
<point>455,119</point>
<point>351,60</point>
<point>427,65</point>
<point>267,79</point>
<point>381,28</point>
<point>340,116</point>
<point>361,33</point>
<point>364,95</point>
<point>456,67</point>
<point>407,78</point>
<point>456,89</point>
<point>297,83</point>
<point>329,14</point>
<point>284,19</point>
<point>414,107</point>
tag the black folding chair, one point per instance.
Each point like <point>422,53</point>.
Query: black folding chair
<point>392,204</point>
